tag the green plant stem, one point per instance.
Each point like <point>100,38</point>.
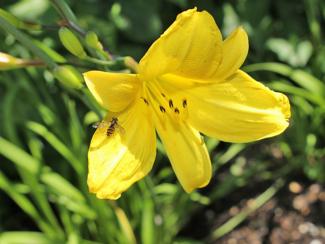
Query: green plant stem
<point>71,21</point>
<point>101,62</point>
<point>34,63</point>
<point>124,223</point>
<point>239,218</point>
<point>66,13</point>
<point>86,97</point>
<point>27,42</point>
<point>312,13</point>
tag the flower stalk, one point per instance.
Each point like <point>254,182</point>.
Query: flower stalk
<point>27,42</point>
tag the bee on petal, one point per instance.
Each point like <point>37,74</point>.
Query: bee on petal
<point>112,126</point>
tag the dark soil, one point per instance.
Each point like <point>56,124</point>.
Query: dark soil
<point>295,215</point>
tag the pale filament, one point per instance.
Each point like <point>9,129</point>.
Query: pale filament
<point>163,104</point>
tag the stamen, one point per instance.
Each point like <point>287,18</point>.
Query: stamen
<point>202,140</point>
<point>176,110</point>
<point>171,105</point>
<point>162,109</point>
<point>145,100</point>
<point>184,103</point>
<point>155,92</point>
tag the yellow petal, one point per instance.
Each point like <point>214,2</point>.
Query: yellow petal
<point>190,47</point>
<point>187,152</point>
<point>238,110</point>
<point>114,91</point>
<point>124,156</point>
<point>234,49</point>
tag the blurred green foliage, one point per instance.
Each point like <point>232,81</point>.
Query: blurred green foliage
<point>46,126</point>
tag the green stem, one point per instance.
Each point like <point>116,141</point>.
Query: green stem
<point>101,62</point>
<point>67,15</point>
<point>257,203</point>
<point>89,100</point>
<point>34,62</point>
<point>71,21</point>
<point>27,42</point>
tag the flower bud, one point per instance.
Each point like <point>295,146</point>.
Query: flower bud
<point>68,76</point>
<point>92,40</point>
<point>131,63</point>
<point>71,42</point>
<point>9,62</point>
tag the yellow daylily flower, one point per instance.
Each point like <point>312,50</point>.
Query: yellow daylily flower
<point>188,82</point>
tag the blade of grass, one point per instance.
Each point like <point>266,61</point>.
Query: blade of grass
<point>231,181</point>
<point>27,42</point>
<point>283,87</point>
<point>25,204</point>
<point>77,134</point>
<point>61,186</point>
<point>26,237</point>
<point>300,77</point>
<point>57,144</point>
<point>124,223</point>
<point>239,218</point>
<point>312,8</point>
<point>8,102</point>
<point>29,169</point>
<point>18,156</point>
<point>54,182</point>
<point>147,213</point>
<point>231,152</point>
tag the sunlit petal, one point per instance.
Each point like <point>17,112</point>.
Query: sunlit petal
<point>234,49</point>
<point>187,152</point>
<point>114,91</point>
<point>238,110</point>
<point>190,47</point>
<point>124,156</point>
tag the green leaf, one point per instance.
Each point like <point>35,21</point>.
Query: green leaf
<point>231,152</point>
<point>24,203</point>
<point>26,237</point>
<point>291,89</point>
<point>240,217</point>
<point>27,42</point>
<point>300,77</point>
<point>147,222</point>
<point>18,156</point>
<point>61,186</point>
<point>58,145</point>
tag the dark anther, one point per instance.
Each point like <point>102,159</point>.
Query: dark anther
<point>145,100</point>
<point>184,103</point>
<point>176,110</point>
<point>162,109</point>
<point>163,94</point>
<point>171,103</point>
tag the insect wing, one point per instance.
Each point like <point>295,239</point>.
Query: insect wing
<point>121,129</point>
<point>99,124</point>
